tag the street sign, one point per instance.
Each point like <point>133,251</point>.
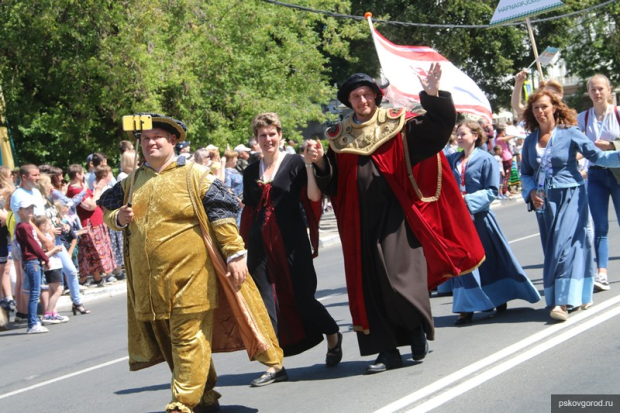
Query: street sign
<point>511,10</point>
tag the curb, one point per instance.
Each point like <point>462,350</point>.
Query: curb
<point>329,239</point>
<point>94,294</point>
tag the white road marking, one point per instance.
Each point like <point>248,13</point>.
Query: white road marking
<point>507,365</point>
<point>328,296</point>
<point>524,238</point>
<point>67,376</point>
<point>505,353</point>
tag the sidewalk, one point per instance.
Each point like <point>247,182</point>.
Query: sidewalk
<point>328,237</point>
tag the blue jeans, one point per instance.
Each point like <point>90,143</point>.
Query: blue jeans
<point>71,273</point>
<point>601,186</point>
<point>32,283</point>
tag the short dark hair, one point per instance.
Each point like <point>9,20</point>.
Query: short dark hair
<point>26,169</point>
<point>124,145</point>
<point>74,170</point>
<point>266,119</point>
<point>98,157</point>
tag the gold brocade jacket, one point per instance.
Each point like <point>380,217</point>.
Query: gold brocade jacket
<point>169,266</point>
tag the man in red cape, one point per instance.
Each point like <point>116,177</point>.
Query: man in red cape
<point>402,221</point>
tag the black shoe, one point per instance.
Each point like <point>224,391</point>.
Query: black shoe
<point>419,344</point>
<point>464,318</point>
<point>268,378</point>
<point>501,308</point>
<point>387,360</point>
<point>334,355</point>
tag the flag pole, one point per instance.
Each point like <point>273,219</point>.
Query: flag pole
<point>531,33</point>
<point>368,16</point>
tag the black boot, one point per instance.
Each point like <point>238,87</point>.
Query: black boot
<point>419,345</point>
<point>387,360</point>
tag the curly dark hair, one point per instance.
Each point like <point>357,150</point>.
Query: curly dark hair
<point>563,114</point>
<point>475,129</point>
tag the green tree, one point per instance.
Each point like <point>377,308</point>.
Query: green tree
<point>70,69</point>
<point>490,56</point>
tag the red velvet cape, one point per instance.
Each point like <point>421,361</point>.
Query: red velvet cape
<point>444,227</point>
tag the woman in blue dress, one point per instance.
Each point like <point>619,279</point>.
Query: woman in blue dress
<point>500,278</point>
<point>554,187</point>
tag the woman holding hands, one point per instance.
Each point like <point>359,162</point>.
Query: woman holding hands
<point>279,251</point>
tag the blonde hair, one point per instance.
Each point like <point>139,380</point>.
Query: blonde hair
<point>6,182</point>
<point>610,98</point>
<point>230,154</point>
<point>40,220</point>
<point>44,181</point>
<point>59,206</point>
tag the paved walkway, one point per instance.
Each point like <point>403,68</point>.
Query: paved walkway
<point>328,236</point>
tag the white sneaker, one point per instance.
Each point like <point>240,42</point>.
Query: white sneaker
<point>61,318</point>
<point>49,319</point>
<point>37,329</point>
<point>601,283</point>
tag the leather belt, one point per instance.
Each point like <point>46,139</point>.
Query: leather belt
<point>597,167</point>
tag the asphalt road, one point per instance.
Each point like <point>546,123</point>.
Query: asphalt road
<point>512,362</point>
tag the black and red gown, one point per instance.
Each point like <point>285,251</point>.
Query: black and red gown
<point>280,253</point>
<point>395,245</point>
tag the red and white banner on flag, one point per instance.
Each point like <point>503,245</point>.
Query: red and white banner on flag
<point>401,65</point>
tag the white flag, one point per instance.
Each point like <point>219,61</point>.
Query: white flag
<point>401,64</point>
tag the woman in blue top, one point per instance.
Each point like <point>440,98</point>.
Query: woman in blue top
<point>553,185</point>
<point>500,278</point>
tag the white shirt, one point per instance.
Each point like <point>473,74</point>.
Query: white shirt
<point>607,129</point>
<point>32,196</point>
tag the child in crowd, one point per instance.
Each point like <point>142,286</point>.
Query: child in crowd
<point>53,276</point>
<point>69,237</point>
<point>32,256</point>
<point>497,154</point>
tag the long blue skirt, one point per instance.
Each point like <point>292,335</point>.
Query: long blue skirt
<point>498,280</point>
<point>568,273</point>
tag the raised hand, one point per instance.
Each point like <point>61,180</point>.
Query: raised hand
<point>430,83</point>
<point>521,76</point>
<point>313,151</point>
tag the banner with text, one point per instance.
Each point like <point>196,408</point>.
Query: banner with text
<point>511,10</point>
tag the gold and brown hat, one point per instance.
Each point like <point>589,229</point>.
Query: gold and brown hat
<point>170,125</point>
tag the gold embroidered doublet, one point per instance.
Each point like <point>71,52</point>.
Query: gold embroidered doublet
<point>364,138</point>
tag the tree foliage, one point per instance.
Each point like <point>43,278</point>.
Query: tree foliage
<point>490,56</point>
<point>70,69</point>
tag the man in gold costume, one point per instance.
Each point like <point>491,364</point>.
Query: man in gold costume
<point>186,272</point>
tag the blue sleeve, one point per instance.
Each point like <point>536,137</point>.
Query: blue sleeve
<point>608,159</point>
<point>489,181</point>
<point>227,179</point>
<point>528,182</point>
